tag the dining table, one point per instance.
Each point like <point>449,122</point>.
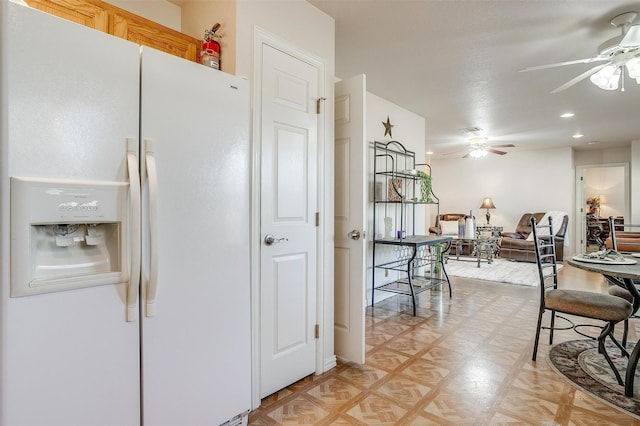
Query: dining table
<point>622,273</point>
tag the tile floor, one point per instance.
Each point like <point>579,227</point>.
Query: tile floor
<point>465,360</point>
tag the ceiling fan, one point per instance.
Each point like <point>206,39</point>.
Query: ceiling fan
<point>478,148</point>
<point>618,52</point>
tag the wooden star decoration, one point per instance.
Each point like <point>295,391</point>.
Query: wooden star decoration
<point>387,127</point>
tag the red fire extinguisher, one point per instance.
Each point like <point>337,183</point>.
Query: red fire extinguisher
<point>210,54</point>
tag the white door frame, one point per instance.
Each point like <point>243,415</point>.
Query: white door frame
<point>260,37</point>
<point>580,225</point>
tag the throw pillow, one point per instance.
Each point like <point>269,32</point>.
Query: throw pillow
<point>449,227</point>
<point>556,221</point>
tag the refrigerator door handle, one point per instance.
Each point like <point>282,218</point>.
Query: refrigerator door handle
<point>152,176</point>
<point>134,203</point>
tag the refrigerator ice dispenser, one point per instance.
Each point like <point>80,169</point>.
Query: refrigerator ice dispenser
<point>66,235</point>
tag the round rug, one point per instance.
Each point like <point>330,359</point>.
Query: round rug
<point>580,362</point>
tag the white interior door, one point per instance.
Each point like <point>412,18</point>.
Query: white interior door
<point>350,218</point>
<point>288,213</point>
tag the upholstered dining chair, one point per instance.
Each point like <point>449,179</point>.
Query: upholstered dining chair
<point>587,304</point>
<point>629,237</point>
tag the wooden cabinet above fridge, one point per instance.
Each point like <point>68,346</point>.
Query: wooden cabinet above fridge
<point>110,19</point>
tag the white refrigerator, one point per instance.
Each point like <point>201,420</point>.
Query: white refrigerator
<point>124,251</point>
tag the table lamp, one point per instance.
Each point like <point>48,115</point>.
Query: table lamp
<point>487,203</point>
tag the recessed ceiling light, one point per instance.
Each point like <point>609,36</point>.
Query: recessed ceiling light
<point>578,135</point>
<point>429,152</point>
<point>567,115</point>
<point>592,142</point>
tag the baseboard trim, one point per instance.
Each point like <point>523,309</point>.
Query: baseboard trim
<point>329,363</point>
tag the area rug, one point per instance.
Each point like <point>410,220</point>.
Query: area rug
<point>579,362</point>
<point>500,270</point>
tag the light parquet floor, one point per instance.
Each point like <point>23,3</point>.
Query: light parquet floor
<point>460,361</point>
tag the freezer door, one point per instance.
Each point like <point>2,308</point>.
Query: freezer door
<point>196,307</point>
<point>70,357</point>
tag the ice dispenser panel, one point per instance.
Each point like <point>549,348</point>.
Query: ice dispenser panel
<point>66,235</point>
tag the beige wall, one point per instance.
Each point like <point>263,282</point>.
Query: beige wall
<point>519,182</point>
<point>160,11</point>
<point>607,182</point>
<point>198,15</point>
<point>602,156</point>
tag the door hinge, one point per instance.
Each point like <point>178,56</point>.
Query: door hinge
<point>318,104</point>
<point>317,219</point>
<point>317,331</point>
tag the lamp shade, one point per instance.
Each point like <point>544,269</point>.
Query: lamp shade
<point>487,203</point>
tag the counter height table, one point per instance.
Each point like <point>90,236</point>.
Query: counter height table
<point>624,275</point>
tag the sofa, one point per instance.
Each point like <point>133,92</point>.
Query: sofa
<point>626,240</point>
<point>516,246</point>
<point>448,218</point>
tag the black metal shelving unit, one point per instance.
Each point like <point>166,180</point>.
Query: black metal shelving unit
<point>396,171</point>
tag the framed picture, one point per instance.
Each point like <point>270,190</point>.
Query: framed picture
<point>394,190</point>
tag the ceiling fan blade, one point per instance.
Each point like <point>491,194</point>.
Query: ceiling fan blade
<point>495,151</point>
<point>506,145</point>
<point>632,37</point>
<point>454,152</point>
<point>561,64</point>
<point>580,77</point>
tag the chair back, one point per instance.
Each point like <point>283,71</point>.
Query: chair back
<point>544,242</point>
<point>625,237</point>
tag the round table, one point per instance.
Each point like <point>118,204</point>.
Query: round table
<point>624,275</point>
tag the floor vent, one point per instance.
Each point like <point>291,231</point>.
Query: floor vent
<point>239,420</point>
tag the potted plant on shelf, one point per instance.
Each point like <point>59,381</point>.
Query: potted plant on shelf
<point>425,187</point>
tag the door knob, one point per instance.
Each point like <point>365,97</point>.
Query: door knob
<point>354,235</point>
<point>270,239</point>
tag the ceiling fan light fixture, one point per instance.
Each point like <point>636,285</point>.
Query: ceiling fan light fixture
<point>607,78</point>
<point>633,69</point>
<point>478,153</point>
<point>478,140</point>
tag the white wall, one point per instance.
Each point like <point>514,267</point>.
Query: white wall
<point>602,156</point>
<point>303,27</point>
<point>160,11</point>
<point>635,181</point>
<point>586,160</point>
<point>408,129</point>
<point>519,182</point>
<point>608,183</point>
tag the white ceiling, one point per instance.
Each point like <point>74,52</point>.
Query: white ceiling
<point>457,64</point>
